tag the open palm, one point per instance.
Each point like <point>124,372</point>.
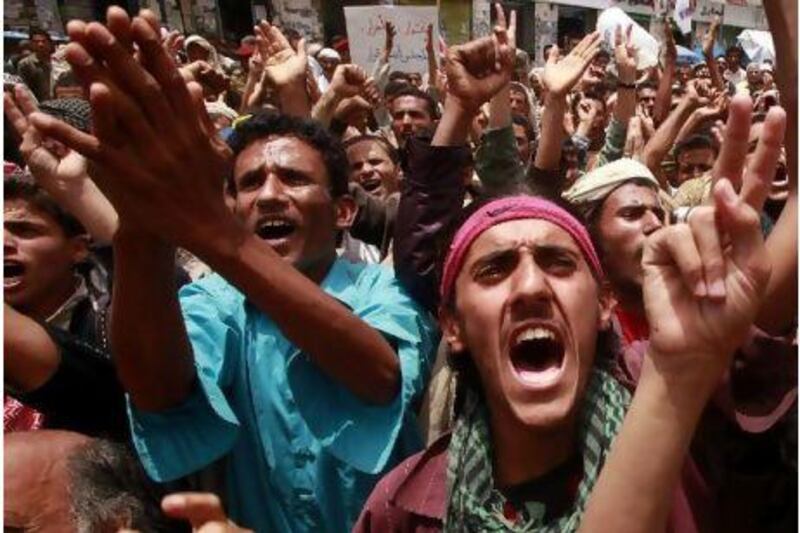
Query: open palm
<point>561,75</point>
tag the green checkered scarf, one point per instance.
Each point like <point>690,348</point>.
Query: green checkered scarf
<point>476,506</point>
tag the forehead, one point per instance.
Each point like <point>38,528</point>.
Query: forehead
<point>409,102</point>
<point>696,153</point>
<point>366,149</point>
<point>632,194</point>
<point>282,152</point>
<point>19,210</point>
<point>532,232</point>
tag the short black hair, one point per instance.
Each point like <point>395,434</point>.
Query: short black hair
<point>410,90</point>
<point>390,150</point>
<point>267,124</point>
<point>526,125</point>
<point>695,142</point>
<point>649,84</point>
<point>396,75</point>
<point>393,87</point>
<point>40,200</point>
<point>35,30</point>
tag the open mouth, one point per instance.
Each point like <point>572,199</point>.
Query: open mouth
<point>276,229</point>
<point>12,273</point>
<point>537,355</point>
<point>371,184</point>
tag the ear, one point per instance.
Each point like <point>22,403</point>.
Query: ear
<point>346,211</point>
<point>80,248</point>
<point>451,330</point>
<point>607,302</point>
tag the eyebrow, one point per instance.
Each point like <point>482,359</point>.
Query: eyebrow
<point>286,171</point>
<point>501,254</point>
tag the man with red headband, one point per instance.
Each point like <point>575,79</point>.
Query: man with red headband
<point>513,277</point>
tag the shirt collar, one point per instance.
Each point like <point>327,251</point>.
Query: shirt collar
<point>424,490</point>
<point>63,315</point>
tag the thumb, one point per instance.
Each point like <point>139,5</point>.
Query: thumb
<point>742,223</point>
<point>301,48</point>
<point>552,56</point>
<point>198,508</point>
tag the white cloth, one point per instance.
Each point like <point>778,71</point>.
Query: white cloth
<point>600,182</point>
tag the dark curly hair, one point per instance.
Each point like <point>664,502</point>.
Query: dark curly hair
<point>40,200</point>
<point>265,124</point>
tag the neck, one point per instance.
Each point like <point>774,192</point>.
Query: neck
<point>631,300</point>
<point>53,299</point>
<point>317,271</point>
<point>523,454</point>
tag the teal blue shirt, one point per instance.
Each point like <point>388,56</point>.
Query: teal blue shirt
<point>301,452</point>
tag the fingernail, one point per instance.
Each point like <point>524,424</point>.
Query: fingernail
<point>717,289</point>
<point>700,289</point>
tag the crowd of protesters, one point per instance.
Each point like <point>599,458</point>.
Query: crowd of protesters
<point>278,292</point>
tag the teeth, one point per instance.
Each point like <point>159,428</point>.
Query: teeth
<point>275,223</point>
<point>532,334</point>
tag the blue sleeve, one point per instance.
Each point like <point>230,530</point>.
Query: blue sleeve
<point>361,435</point>
<point>184,439</point>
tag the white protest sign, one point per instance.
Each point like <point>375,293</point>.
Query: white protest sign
<point>607,24</point>
<point>684,11</point>
<point>366,34</point>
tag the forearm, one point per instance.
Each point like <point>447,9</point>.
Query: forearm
<point>779,310</point>
<point>151,348</point>
<point>690,126</point>
<point>664,94</point>
<point>342,345</point>
<point>249,88</point>
<point>293,99</point>
<point>500,109</point>
<point>664,137</point>
<point>90,206</point>
<point>626,105</point>
<point>635,488</point>
<point>30,357</point>
<point>716,75</point>
<point>548,154</point>
<point>454,125</point>
<point>325,107</point>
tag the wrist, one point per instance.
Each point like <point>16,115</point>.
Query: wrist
<point>690,378</point>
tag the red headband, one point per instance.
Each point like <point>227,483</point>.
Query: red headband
<point>503,210</point>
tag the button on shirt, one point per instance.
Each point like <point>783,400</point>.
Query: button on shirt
<point>302,453</point>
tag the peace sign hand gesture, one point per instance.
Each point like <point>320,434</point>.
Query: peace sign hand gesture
<point>704,281</point>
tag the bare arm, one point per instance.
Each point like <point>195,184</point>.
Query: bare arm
<point>708,51</point>
<point>782,242</point>
<point>61,172</point>
<point>286,70</point>
<point>662,140</point>
<point>664,92</point>
<point>560,76</point>
<point>30,357</point>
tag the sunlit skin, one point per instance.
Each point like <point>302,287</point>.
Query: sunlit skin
<point>372,168</point>
<point>628,216</point>
<point>519,274</point>
<point>38,260</point>
<point>410,115</point>
<point>283,178</point>
<point>694,162</point>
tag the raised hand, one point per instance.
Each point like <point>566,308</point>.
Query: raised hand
<point>173,42</point>
<point>429,39</point>
<point>388,42</point>
<point>348,80</point>
<point>704,281</point>
<point>625,55</point>
<point>670,50</point>
<point>561,75</point>
<point>478,69</point>
<point>282,64</point>
<point>711,37</point>
<point>202,510</point>
<point>51,163</point>
<point>153,145</point>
